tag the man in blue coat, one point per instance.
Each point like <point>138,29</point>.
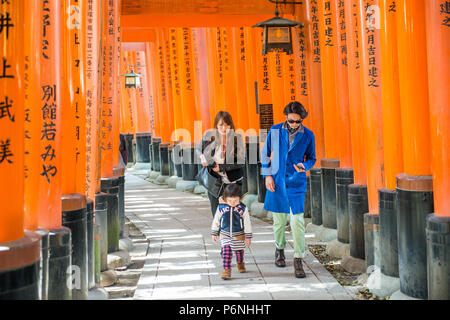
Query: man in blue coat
<point>289,151</point>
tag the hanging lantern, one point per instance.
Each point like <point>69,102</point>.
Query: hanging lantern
<point>277,34</point>
<point>132,80</point>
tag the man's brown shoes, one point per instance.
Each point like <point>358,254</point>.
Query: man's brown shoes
<point>298,268</point>
<point>279,258</point>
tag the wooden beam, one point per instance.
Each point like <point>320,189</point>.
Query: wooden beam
<point>192,20</point>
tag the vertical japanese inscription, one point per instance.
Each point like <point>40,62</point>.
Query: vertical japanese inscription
<point>6,72</point>
<point>342,33</point>
<point>174,51</point>
<point>48,131</point>
<point>302,59</point>
<point>48,106</point>
<point>315,27</point>
<point>106,116</point>
<point>187,58</point>
<point>220,55</point>
<point>371,20</point>
<point>329,31</point>
<point>444,10</point>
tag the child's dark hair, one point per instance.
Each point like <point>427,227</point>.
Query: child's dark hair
<point>232,190</point>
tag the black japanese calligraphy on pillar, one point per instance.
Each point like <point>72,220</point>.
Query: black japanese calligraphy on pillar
<point>266,79</point>
<point>242,44</point>
<point>220,55</point>
<point>140,69</point>
<point>356,36</point>
<point>187,59</point>
<point>444,10</point>
<point>174,51</point>
<point>342,33</point>
<point>7,117</point>
<point>329,31</point>
<point>48,131</point>
<point>106,117</point>
<point>27,114</point>
<point>302,59</point>
<point>45,23</point>
<point>74,25</point>
<point>90,68</point>
<point>315,31</point>
<point>372,21</point>
<point>162,72</point>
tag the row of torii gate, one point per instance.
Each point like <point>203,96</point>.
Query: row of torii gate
<point>373,75</point>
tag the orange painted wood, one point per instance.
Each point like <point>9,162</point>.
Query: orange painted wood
<point>187,85</point>
<point>438,46</point>
<point>211,52</point>
<point>357,113</point>
<point>308,13</point>
<point>393,146</point>
<point>176,86</point>
<point>132,107</point>
<point>241,79</point>
<point>189,7</point>
<point>153,71</point>
<point>162,95</point>
<point>229,74</point>
<point>150,83</point>
<point>116,82</point>
<point>341,86</point>
<point>250,72</point>
<point>168,81</point>
<point>108,81</point>
<point>262,71</point>
<point>138,34</point>
<point>50,187</point>
<point>11,121</point>
<point>301,74</point>
<point>158,109</point>
<point>165,98</point>
<point>291,92</point>
<point>413,75</point>
<point>125,116</point>
<point>200,56</point>
<point>371,93</point>
<point>192,20</point>
<point>219,72</point>
<point>142,94</point>
<point>73,174</point>
<point>276,61</point>
<point>93,81</point>
<point>328,44</point>
<point>32,123</point>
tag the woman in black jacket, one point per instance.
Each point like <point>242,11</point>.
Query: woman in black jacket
<point>222,151</point>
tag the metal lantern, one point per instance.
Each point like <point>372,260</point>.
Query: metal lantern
<point>132,80</point>
<point>277,34</point>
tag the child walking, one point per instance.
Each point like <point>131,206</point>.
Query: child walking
<point>232,223</point>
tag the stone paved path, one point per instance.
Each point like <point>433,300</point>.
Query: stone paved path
<point>184,263</point>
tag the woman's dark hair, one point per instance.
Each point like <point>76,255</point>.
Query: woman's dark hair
<point>296,107</point>
<point>232,190</point>
<point>225,117</point>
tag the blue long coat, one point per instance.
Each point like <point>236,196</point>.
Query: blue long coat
<point>290,185</point>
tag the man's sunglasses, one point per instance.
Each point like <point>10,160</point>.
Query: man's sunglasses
<point>295,121</point>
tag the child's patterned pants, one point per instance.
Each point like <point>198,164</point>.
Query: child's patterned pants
<point>227,255</point>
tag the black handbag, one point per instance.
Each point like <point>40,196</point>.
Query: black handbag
<point>212,184</point>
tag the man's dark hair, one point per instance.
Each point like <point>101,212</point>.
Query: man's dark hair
<point>296,107</point>
<point>232,190</point>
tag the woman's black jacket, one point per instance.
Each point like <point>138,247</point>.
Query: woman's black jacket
<point>234,165</point>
